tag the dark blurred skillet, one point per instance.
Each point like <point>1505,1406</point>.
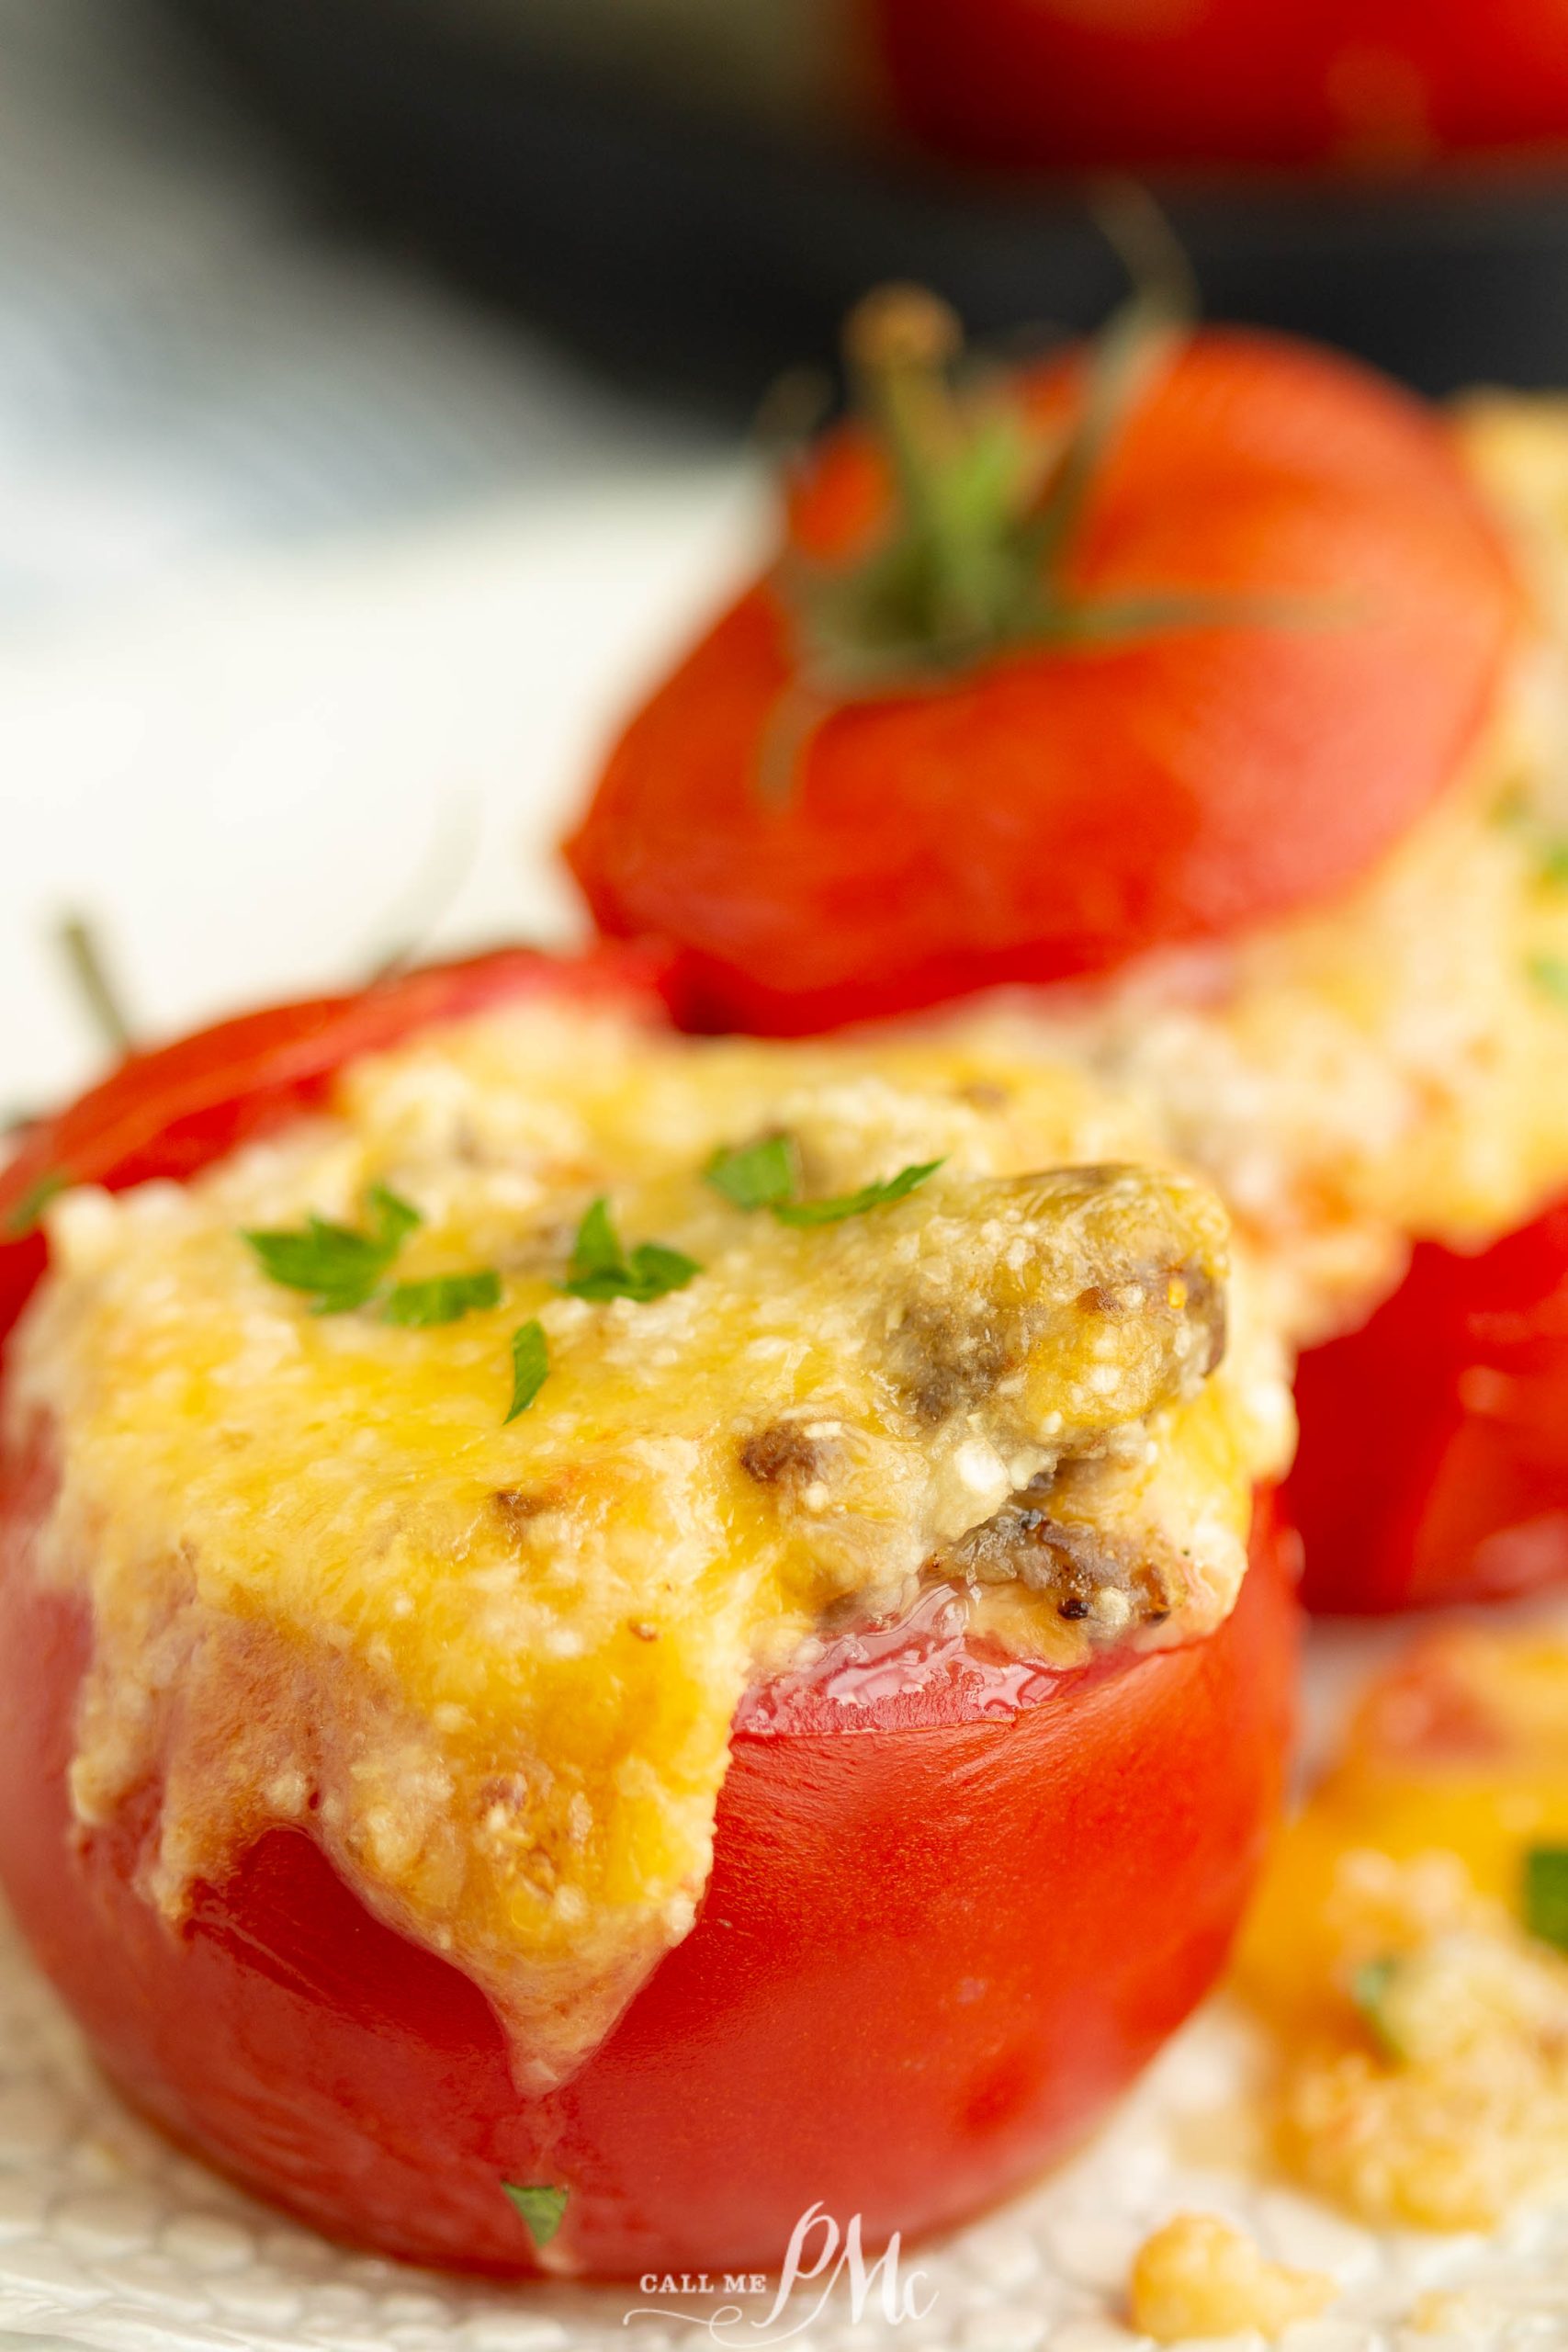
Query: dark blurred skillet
<point>698,250</point>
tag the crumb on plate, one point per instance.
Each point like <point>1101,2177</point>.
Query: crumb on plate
<point>1200,2276</point>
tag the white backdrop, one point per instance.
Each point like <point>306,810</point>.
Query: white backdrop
<point>318,588</point>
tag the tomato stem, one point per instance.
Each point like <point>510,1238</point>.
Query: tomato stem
<point>985,514</point>
<point>84,955</point>
<point>986,509</point>
<point>902,343</point>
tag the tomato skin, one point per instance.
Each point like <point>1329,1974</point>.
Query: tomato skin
<point>174,1110</point>
<point>1065,84</point>
<point>930,1954</point>
<point>1433,1461</point>
<point>1061,810</point>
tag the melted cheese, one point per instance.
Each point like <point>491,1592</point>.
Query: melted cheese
<point>1433,2089</point>
<point>494,1665</point>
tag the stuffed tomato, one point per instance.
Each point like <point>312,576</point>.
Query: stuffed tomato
<point>1433,1438</point>
<point>1212,688</point>
<point>1139,85</point>
<point>607,1638</point>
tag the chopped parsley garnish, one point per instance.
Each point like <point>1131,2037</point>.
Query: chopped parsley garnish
<point>341,1267</point>
<point>530,1365</point>
<point>602,1268</point>
<point>1546,1894</point>
<point>1549,851</point>
<point>338,1266</point>
<point>870,1197</point>
<point>756,1175</point>
<point>391,1219</point>
<point>25,1217</point>
<point>540,2208</point>
<point>1550,973</point>
<point>766,1175</point>
<point>1370,1990</point>
<point>444,1298</point>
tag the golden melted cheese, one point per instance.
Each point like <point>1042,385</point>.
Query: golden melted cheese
<point>1422,2034</point>
<point>1392,1067</point>
<point>1199,2278</point>
<point>494,1663</point>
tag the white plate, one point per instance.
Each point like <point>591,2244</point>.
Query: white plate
<point>256,791</point>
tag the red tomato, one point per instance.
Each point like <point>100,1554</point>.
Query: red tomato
<point>1058,808</point>
<point>1433,1463</point>
<point>1062,84</point>
<point>945,1928</point>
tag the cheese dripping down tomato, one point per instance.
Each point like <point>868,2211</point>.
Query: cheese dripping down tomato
<point>492,1665</point>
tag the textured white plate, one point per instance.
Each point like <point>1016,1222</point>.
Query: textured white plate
<point>109,2238</point>
<point>254,790</point>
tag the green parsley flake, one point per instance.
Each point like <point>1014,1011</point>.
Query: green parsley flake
<point>870,1197</point>
<point>601,1268</point>
<point>1370,1990</point>
<point>391,1219</point>
<point>24,1218</point>
<point>1546,1894</point>
<point>766,1175</point>
<point>539,2208</point>
<point>756,1175</point>
<point>445,1298</point>
<point>1550,973</point>
<point>530,1365</point>
<point>337,1266</point>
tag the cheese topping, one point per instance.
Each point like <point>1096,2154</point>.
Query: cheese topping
<point>1422,2027</point>
<point>493,1665</point>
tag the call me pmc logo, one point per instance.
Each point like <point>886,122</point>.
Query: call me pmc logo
<point>820,2259</point>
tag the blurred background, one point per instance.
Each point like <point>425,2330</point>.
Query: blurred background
<point>377,381</point>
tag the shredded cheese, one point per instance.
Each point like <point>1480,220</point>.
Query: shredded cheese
<point>1422,2031</point>
<point>492,1665</point>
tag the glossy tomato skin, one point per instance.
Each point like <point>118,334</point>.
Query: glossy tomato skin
<point>1433,1461</point>
<point>1388,84</point>
<point>933,1947</point>
<point>1064,809</point>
